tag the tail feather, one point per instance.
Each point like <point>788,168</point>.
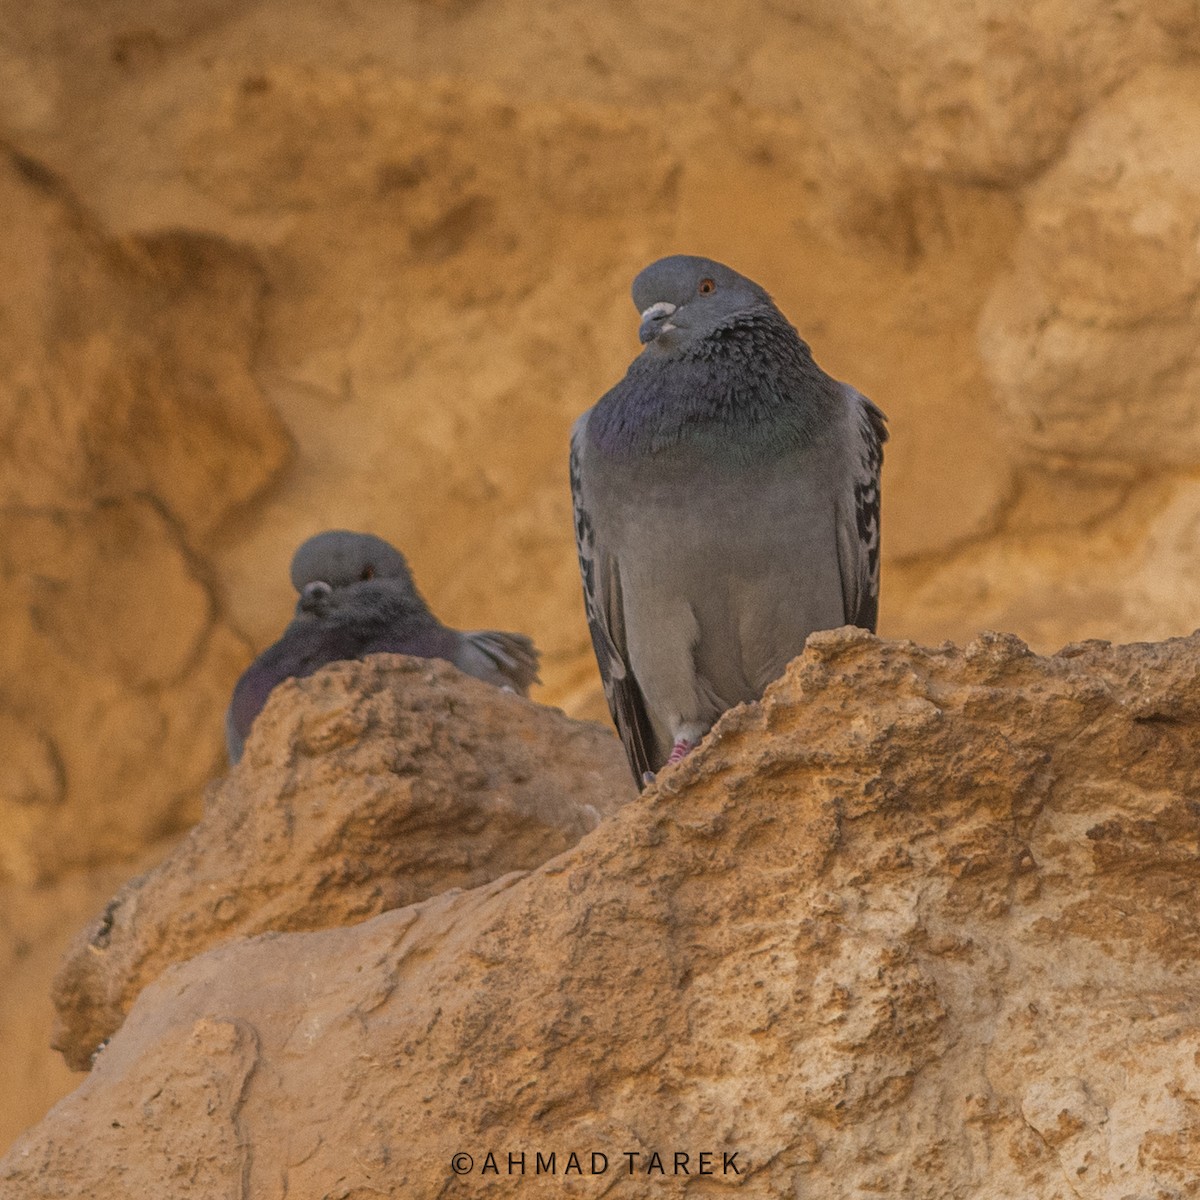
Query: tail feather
<point>512,656</point>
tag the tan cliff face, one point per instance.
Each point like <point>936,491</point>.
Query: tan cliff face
<point>268,269</point>
<point>921,924</point>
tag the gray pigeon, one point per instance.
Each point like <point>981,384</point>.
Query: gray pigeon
<point>726,505</point>
<point>357,597</point>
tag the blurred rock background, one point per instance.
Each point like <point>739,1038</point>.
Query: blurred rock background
<point>269,268</point>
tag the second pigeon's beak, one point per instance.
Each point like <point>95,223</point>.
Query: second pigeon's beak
<point>312,599</point>
<point>654,321</point>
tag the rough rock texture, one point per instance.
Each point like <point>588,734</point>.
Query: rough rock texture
<point>133,427</point>
<point>36,926</point>
<point>270,267</point>
<point>1090,339</point>
<point>922,924</point>
<point>365,787</point>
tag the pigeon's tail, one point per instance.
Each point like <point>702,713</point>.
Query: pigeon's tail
<point>505,659</point>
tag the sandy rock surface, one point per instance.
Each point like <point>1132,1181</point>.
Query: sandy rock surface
<point>366,787</point>
<point>36,927</point>
<point>921,924</point>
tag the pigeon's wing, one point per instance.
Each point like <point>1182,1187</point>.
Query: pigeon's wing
<point>278,662</point>
<point>858,512</point>
<point>606,621</point>
<point>505,659</point>
<point>305,647</point>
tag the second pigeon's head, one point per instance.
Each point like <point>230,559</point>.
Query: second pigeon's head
<point>682,299</point>
<point>338,559</point>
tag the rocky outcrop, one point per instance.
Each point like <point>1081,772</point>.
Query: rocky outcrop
<point>366,787</point>
<point>921,923</point>
<point>1095,355</point>
<point>132,433</point>
<point>36,925</point>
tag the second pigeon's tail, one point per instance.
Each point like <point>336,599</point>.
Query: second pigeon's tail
<point>505,659</point>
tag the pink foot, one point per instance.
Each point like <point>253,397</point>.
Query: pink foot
<point>680,750</point>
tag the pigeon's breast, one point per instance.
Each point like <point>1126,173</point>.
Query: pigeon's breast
<point>710,519</point>
<point>729,564</point>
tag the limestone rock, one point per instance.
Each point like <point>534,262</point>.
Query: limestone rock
<point>1091,338</point>
<point>365,787</point>
<point>133,430</point>
<point>921,923</point>
<point>36,926</point>
<point>126,362</point>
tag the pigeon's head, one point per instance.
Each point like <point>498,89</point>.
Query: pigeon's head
<point>338,558</point>
<point>684,298</point>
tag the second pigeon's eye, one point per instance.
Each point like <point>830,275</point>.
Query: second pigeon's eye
<point>707,286</point>
<point>368,572</point>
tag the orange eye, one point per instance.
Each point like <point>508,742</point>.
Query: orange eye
<point>707,286</point>
<point>368,572</point>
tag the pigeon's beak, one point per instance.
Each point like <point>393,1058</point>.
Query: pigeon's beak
<point>654,321</point>
<point>314,596</point>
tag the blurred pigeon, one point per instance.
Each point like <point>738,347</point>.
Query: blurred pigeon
<point>357,597</point>
<point>726,505</point>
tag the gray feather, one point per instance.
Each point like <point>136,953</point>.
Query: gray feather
<point>505,659</point>
<point>858,516</point>
<point>606,623</point>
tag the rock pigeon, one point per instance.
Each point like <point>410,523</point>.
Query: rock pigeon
<point>726,499</point>
<point>357,597</point>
